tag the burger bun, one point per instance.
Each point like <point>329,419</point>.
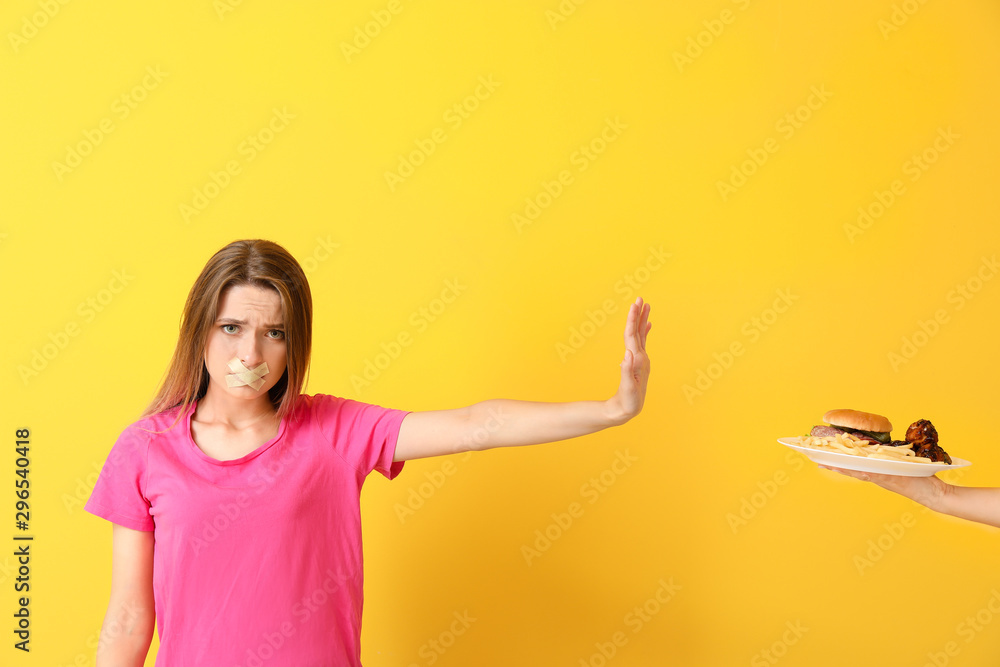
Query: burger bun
<point>861,421</point>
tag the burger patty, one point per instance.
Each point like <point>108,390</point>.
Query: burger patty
<point>826,431</point>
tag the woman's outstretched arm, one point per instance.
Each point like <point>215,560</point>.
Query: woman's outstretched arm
<point>511,423</point>
<point>980,504</point>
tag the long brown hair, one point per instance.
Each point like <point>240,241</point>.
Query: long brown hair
<point>256,263</point>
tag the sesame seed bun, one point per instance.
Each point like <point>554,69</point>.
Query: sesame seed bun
<point>862,421</point>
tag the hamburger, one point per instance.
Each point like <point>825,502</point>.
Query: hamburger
<point>864,425</point>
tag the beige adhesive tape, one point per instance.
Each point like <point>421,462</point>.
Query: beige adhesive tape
<point>243,376</point>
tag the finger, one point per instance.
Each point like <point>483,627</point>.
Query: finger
<point>639,307</point>
<point>856,474</point>
<point>644,325</point>
<point>632,329</point>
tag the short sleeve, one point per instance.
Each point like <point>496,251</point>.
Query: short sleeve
<point>119,494</point>
<point>363,433</point>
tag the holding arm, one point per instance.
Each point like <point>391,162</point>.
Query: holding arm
<point>978,504</point>
<point>511,423</point>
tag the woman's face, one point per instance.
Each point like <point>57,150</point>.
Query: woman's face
<point>249,327</point>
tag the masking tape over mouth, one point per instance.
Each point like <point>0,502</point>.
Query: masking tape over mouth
<point>243,376</point>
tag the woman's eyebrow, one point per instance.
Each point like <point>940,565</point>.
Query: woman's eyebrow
<point>231,320</point>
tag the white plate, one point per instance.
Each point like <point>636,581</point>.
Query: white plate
<point>865,464</point>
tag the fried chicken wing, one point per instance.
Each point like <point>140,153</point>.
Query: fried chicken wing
<point>921,432</point>
<point>924,438</point>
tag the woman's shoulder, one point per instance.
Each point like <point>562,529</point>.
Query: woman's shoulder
<point>329,408</point>
<point>166,424</point>
<point>322,403</point>
<point>312,405</point>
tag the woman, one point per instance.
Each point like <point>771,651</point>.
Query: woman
<point>235,499</point>
<point>980,504</point>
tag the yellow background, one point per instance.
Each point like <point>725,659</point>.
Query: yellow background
<point>769,553</point>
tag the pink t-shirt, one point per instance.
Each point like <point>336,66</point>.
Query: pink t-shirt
<point>257,561</point>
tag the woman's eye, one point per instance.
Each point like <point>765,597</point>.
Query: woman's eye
<point>276,334</point>
<point>229,328</point>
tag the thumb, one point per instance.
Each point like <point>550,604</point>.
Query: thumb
<point>627,365</point>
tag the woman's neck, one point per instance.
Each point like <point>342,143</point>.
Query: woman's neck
<point>234,412</point>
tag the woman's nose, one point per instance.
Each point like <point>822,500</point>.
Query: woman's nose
<point>249,351</point>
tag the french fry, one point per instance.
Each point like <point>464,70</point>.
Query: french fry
<point>845,443</point>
